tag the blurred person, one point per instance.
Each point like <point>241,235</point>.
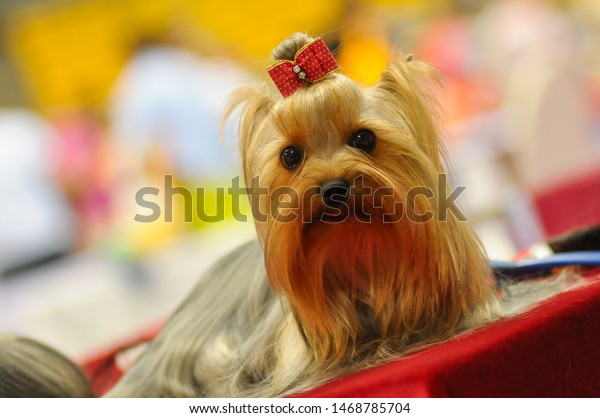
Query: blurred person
<point>532,50</point>
<point>448,43</point>
<point>164,114</point>
<point>36,222</point>
<point>83,160</point>
<point>169,98</point>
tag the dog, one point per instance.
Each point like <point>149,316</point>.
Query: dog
<point>335,282</point>
<point>347,272</point>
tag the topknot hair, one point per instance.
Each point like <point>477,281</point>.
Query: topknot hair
<point>287,49</point>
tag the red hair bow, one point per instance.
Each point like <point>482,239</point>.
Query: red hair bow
<point>312,63</point>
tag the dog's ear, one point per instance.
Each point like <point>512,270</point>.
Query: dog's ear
<point>254,103</point>
<point>408,88</point>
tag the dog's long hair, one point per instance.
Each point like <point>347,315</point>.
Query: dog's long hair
<point>328,297</point>
<point>311,300</point>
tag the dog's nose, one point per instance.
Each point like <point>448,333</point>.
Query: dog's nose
<point>334,192</point>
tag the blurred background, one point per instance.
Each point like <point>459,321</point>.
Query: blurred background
<point>99,98</point>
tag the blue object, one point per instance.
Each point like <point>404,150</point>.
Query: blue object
<point>515,270</point>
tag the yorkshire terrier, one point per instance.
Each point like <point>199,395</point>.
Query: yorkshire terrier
<point>347,271</point>
<point>340,277</point>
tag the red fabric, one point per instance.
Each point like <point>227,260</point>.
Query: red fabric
<point>102,369</point>
<point>314,62</point>
<point>102,372</point>
<point>571,205</point>
<point>551,351</point>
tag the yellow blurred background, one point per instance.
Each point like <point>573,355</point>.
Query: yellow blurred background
<point>100,98</point>
<point>70,53</point>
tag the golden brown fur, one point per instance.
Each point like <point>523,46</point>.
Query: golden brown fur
<point>329,298</point>
<point>417,280</point>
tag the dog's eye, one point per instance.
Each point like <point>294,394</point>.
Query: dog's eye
<point>363,139</point>
<point>291,157</point>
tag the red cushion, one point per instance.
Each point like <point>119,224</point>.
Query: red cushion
<point>102,369</point>
<point>552,350</point>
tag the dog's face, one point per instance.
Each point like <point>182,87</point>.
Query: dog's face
<point>345,190</point>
